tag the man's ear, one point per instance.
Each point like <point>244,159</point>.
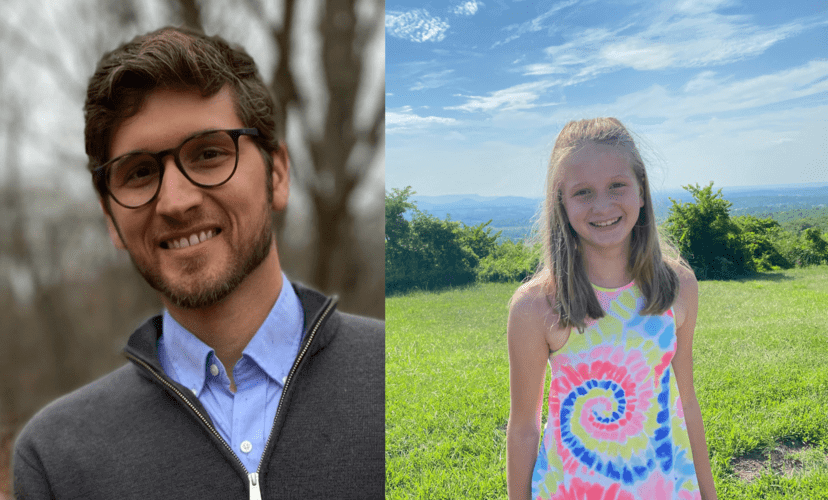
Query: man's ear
<point>110,226</point>
<point>281,178</point>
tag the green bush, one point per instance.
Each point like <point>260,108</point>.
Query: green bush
<point>810,249</point>
<point>762,237</point>
<point>426,252</point>
<point>509,262</point>
<point>706,236</point>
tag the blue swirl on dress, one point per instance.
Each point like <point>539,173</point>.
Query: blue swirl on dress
<point>618,470</point>
<point>662,439</point>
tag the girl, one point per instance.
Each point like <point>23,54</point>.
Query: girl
<point>614,318</point>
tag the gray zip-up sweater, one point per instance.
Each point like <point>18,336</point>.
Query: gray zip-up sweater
<point>136,434</point>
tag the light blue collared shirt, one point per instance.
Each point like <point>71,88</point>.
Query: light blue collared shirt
<point>243,419</point>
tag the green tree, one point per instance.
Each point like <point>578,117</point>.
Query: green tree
<point>706,236</point>
<point>480,238</point>
<point>440,257</point>
<point>426,252</point>
<point>399,246</point>
<point>763,239</point>
<point>510,261</point>
<point>812,249</point>
<point>397,228</point>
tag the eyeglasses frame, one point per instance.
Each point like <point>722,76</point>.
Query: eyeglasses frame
<point>100,177</point>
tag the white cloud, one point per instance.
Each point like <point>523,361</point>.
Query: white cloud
<point>432,80</point>
<point>706,96</point>
<point>702,82</point>
<point>536,24</point>
<point>415,26</point>
<point>523,96</point>
<point>467,8</point>
<point>701,6</point>
<point>680,41</point>
<point>404,118</point>
<point>638,54</point>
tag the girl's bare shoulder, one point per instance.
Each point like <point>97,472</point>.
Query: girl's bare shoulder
<point>686,303</point>
<point>531,310</point>
<point>688,285</point>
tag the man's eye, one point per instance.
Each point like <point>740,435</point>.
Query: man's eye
<point>140,172</point>
<point>209,154</point>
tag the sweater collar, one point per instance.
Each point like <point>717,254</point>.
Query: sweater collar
<point>142,344</point>
<point>272,348</point>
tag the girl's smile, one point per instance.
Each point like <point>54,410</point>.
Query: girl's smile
<point>607,223</point>
<point>601,196</point>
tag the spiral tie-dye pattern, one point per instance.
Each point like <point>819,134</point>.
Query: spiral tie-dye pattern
<point>615,427</point>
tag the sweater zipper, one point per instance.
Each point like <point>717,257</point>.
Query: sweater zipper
<point>292,372</point>
<point>252,478</point>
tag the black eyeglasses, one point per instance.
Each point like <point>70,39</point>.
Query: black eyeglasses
<point>207,159</point>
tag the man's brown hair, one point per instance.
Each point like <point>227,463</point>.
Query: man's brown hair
<point>177,59</point>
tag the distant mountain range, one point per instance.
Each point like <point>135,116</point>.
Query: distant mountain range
<point>514,215</point>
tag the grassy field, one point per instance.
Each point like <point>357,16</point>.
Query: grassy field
<point>761,373</point>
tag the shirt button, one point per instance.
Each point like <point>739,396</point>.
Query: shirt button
<point>214,369</point>
<point>246,446</point>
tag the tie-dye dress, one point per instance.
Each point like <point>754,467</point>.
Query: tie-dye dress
<point>616,428</point>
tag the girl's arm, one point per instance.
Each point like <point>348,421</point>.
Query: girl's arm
<point>688,303</point>
<point>528,354</point>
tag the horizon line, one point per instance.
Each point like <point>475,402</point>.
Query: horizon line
<point>680,188</point>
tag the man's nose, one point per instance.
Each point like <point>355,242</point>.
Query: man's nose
<point>177,194</point>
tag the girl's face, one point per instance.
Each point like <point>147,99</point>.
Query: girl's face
<point>601,196</point>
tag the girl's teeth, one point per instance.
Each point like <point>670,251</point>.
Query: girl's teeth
<point>605,224</point>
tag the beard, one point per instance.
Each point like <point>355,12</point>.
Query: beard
<point>210,291</point>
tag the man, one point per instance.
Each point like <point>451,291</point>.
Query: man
<point>247,386</point>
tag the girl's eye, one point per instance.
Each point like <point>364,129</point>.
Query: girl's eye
<point>616,185</point>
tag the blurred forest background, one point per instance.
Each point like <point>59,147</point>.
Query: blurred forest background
<point>68,299</point>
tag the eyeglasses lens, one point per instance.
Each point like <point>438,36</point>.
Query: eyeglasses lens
<point>208,160</point>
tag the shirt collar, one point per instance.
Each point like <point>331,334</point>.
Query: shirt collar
<point>273,347</point>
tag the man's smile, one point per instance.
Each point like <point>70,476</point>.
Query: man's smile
<point>191,240</point>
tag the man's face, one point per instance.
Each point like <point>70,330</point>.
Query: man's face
<point>227,228</point>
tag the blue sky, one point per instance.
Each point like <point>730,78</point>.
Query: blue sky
<point>724,91</point>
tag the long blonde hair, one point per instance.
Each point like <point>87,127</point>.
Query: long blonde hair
<point>574,298</point>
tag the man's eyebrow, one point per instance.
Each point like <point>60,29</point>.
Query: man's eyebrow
<point>194,134</point>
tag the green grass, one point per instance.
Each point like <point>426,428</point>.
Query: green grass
<point>761,373</point>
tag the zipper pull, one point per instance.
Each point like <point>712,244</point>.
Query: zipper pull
<point>255,492</point>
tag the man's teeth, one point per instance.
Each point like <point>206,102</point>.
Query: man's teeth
<point>194,239</point>
<point>606,223</point>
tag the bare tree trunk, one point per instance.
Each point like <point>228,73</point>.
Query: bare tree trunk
<point>190,14</point>
<point>51,309</point>
<point>335,263</point>
<point>335,267</point>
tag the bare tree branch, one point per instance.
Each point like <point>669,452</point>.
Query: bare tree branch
<point>72,83</point>
<point>190,14</point>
